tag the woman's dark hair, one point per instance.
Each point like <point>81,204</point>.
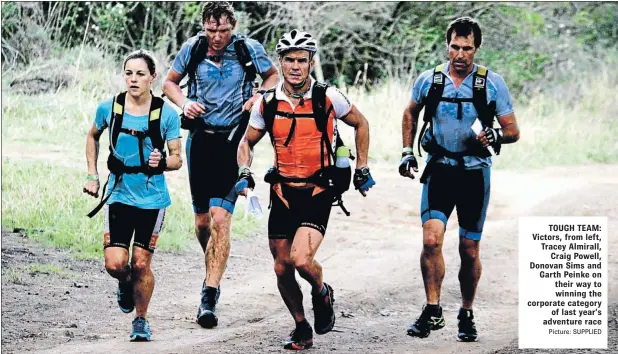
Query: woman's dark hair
<point>142,54</point>
<point>217,9</point>
<point>463,26</point>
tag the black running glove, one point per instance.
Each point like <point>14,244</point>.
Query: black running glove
<point>245,180</point>
<point>493,135</point>
<point>408,161</point>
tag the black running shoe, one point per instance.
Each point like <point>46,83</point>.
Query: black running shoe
<point>323,311</point>
<point>467,328</point>
<point>206,316</point>
<point>218,291</point>
<point>301,338</point>
<point>426,323</point>
<point>124,296</point>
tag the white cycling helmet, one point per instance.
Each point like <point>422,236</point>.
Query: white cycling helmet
<point>296,40</point>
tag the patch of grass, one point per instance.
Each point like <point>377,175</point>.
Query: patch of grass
<point>45,268</point>
<point>571,124</point>
<point>13,275</point>
<point>58,120</point>
<point>47,201</point>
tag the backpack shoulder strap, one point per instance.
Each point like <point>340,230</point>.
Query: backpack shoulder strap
<point>435,93</point>
<point>270,109</point>
<point>117,114</point>
<point>485,111</point>
<point>434,96</point>
<point>318,102</point>
<point>154,123</point>
<point>320,114</point>
<point>244,58</point>
<point>198,54</point>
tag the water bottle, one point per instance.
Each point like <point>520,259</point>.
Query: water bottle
<point>343,157</point>
<point>253,206</point>
<point>342,174</point>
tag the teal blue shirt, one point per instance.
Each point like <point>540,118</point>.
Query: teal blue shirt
<point>137,189</point>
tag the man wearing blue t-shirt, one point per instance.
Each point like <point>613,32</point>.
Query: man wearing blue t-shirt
<point>461,100</point>
<point>220,92</point>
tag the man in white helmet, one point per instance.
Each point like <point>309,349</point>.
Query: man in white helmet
<point>301,117</point>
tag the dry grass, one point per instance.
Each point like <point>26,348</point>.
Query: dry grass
<point>567,124</point>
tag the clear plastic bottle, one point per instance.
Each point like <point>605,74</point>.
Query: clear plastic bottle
<point>253,206</point>
<point>343,157</point>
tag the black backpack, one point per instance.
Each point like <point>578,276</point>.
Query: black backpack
<point>117,167</point>
<point>199,51</point>
<point>486,113</point>
<point>329,176</point>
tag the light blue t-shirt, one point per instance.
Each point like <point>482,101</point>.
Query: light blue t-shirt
<point>219,88</point>
<point>454,134</point>
<point>136,189</point>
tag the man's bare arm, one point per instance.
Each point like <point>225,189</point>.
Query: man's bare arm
<point>270,78</point>
<point>510,128</point>
<point>409,123</point>
<point>361,128</point>
<point>171,87</point>
<point>245,149</point>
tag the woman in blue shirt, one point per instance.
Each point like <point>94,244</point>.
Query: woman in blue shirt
<point>137,196</point>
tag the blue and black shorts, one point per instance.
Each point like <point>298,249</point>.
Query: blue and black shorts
<point>468,190</point>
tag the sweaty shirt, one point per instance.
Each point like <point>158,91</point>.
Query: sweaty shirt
<point>450,132</point>
<point>137,189</point>
<point>221,89</point>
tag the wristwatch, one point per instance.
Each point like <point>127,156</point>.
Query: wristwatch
<point>92,177</point>
<point>363,170</point>
<point>261,91</point>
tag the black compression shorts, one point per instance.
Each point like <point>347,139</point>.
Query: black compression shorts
<point>122,220</point>
<point>305,210</point>
<point>213,170</point>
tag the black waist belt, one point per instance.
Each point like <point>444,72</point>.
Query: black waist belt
<point>116,167</point>
<point>437,152</point>
<point>233,135</point>
<point>273,177</point>
<point>319,179</point>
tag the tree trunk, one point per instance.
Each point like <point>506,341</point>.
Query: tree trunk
<point>319,74</point>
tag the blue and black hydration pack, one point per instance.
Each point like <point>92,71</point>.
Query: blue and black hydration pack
<point>486,113</point>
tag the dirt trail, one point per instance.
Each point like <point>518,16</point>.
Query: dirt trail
<point>370,258</point>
